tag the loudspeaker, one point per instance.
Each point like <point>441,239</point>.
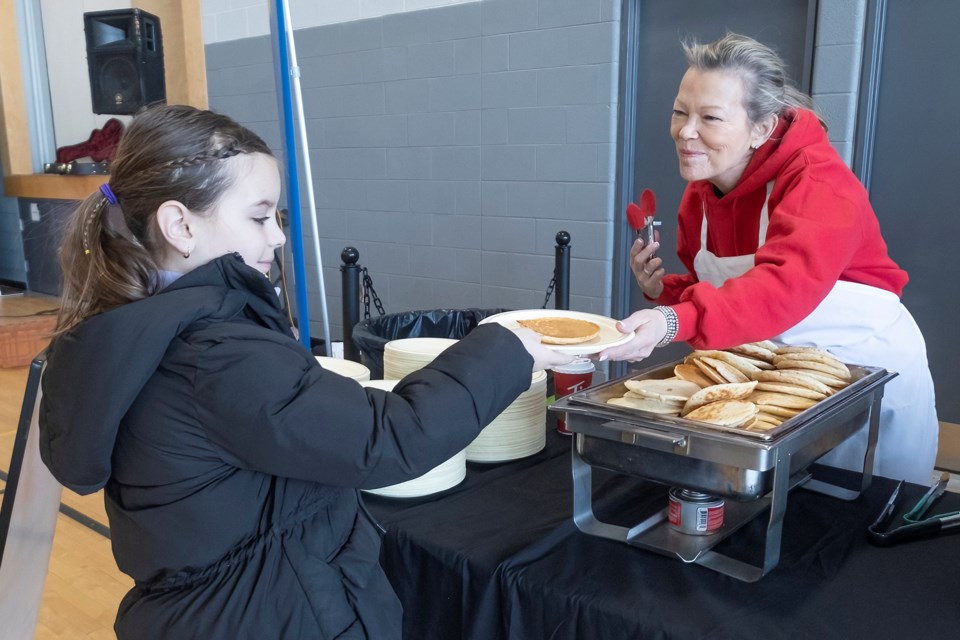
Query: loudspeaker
<point>125,59</point>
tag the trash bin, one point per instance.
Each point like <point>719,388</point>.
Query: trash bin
<point>372,334</point>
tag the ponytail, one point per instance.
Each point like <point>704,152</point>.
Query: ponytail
<point>102,267</point>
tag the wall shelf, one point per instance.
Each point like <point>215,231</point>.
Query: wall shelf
<point>186,80</point>
<point>52,186</point>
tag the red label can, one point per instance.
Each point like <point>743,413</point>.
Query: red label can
<point>694,513</point>
<point>571,378</point>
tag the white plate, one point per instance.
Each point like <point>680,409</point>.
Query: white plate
<point>609,335</point>
<point>347,368</point>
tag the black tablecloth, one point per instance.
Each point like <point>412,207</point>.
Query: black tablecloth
<point>499,557</point>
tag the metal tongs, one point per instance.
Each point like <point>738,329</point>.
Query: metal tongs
<point>641,216</point>
<point>917,526</point>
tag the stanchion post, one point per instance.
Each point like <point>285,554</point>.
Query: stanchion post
<point>350,282</point>
<point>561,272</point>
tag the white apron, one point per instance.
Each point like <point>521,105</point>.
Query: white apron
<point>863,325</point>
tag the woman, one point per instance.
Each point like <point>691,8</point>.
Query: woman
<point>230,459</point>
<point>780,241</point>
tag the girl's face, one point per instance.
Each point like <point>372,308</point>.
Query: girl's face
<point>711,129</point>
<point>244,220</point>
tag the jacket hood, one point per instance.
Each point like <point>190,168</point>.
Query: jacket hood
<point>96,371</point>
<point>797,130</point>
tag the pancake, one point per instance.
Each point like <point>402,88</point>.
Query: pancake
<point>646,404</point>
<point>562,330</point>
<point>793,376</point>
<point>729,372</point>
<point>729,391</point>
<point>774,410</point>
<point>709,371</point>
<point>792,389</point>
<point>838,372</point>
<point>728,413</point>
<point>692,373</point>
<point>665,390</point>
<point>753,350</point>
<point>741,363</point>
<point>777,399</point>
<point>831,381</point>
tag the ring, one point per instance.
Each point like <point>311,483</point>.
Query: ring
<point>647,273</point>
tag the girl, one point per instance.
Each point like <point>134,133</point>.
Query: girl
<point>230,460</point>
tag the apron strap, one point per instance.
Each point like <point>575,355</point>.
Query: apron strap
<point>764,217</point>
<point>703,226</point>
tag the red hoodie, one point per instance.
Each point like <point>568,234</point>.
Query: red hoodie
<point>822,229</point>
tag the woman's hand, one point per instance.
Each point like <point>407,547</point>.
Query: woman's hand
<point>650,326</point>
<point>647,268</point>
<point>543,357</point>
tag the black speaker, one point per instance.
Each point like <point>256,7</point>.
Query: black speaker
<point>125,59</point>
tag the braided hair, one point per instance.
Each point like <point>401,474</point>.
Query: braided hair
<point>168,152</point>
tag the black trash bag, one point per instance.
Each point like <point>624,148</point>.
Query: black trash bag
<point>371,335</point>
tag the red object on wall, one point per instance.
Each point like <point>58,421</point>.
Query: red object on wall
<point>100,146</point>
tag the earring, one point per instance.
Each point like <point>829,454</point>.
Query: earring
<point>187,254</point>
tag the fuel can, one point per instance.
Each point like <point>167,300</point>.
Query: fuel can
<point>694,513</point>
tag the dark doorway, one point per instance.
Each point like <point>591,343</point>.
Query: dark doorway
<point>906,155</point>
<point>652,64</point>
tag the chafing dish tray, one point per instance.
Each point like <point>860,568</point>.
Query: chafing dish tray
<point>721,461</point>
<point>754,469</point>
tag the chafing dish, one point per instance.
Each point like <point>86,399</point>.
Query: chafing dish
<point>754,470</point>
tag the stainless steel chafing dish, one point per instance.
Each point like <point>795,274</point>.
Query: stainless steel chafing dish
<point>755,470</point>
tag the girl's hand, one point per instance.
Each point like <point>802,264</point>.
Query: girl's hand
<point>543,357</point>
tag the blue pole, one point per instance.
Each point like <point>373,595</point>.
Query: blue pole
<point>282,69</point>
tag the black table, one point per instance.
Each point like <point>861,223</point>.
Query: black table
<point>499,557</point>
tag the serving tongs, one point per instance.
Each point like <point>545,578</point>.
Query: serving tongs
<point>641,218</point>
<point>917,526</point>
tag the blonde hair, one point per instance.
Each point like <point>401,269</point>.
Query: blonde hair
<point>767,90</point>
<point>168,152</point>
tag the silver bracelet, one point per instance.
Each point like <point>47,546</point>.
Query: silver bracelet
<point>673,325</point>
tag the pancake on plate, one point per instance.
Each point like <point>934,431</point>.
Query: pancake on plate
<point>562,330</point>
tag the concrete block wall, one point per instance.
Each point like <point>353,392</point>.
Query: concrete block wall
<point>12,266</point>
<point>836,70</point>
<point>450,145</point>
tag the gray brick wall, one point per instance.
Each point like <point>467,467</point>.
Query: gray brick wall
<point>836,69</point>
<point>449,146</point>
<point>12,266</point>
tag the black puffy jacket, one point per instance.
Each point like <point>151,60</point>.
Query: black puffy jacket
<point>231,460</point>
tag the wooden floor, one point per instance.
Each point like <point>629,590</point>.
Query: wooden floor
<point>83,586</point>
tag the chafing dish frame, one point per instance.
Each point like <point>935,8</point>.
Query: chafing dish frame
<point>811,434</point>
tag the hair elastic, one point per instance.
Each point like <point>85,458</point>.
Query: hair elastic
<point>108,193</point>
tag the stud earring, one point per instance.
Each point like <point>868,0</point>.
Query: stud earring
<point>187,254</point>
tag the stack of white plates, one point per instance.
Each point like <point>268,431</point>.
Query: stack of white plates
<point>385,385</point>
<point>517,432</point>
<point>443,476</point>
<point>404,356</point>
<point>346,368</point>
